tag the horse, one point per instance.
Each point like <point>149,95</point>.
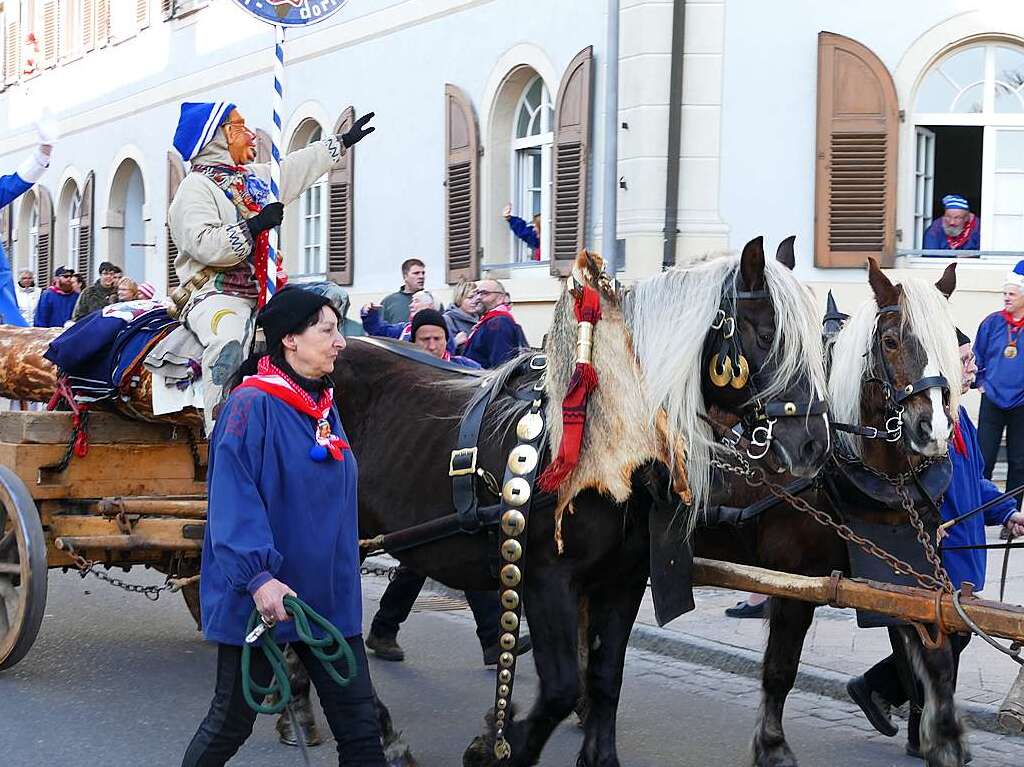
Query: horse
<point>902,337</point>
<point>752,352</point>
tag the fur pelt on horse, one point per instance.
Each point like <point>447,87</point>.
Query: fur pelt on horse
<point>618,438</point>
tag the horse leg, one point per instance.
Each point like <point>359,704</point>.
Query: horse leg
<point>789,620</point>
<point>301,706</point>
<point>396,751</point>
<point>941,731</point>
<point>583,658</point>
<point>613,609</point>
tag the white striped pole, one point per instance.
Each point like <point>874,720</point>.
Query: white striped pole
<point>274,256</point>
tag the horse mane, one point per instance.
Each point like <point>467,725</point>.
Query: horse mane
<point>503,409</point>
<point>926,315</point>
<point>668,315</point>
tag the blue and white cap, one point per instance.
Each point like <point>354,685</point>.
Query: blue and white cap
<point>1015,277</point>
<point>198,124</point>
<point>955,202</point>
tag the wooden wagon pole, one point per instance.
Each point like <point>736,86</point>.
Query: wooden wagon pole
<point>906,602</point>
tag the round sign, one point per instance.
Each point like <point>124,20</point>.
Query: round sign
<point>291,13</point>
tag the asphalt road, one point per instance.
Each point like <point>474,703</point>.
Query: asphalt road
<point>118,681</point>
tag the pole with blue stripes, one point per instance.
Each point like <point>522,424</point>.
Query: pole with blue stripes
<point>276,138</point>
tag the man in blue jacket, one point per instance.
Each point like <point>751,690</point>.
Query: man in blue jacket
<point>999,349</point>
<point>881,687</point>
<point>496,337</point>
<point>958,229</point>
<point>57,303</point>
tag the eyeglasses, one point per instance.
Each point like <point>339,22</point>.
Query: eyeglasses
<point>487,293</point>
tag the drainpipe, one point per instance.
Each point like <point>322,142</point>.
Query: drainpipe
<point>675,134</point>
<point>609,245</point>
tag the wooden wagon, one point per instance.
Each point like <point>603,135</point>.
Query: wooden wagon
<point>137,497</point>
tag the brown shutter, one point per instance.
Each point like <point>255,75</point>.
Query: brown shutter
<point>461,197</point>
<point>572,142</point>
<point>12,45</point>
<point>102,22</point>
<point>48,48</point>
<point>855,165</point>
<point>167,9</point>
<point>88,25</point>
<point>85,261</point>
<point>262,146</point>
<point>44,252</point>
<point>339,206</point>
<point>175,174</point>
<point>141,14</point>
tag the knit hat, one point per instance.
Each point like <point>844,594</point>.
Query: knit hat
<point>106,266</point>
<point>197,124</point>
<point>146,290</point>
<point>286,312</point>
<point>1015,277</point>
<point>428,317</point>
<point>955,202</point>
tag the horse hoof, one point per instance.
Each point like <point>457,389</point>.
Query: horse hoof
<point>309,731</point>
<point>398,754</point>
<point>480,753</point>
<point>777,755</point>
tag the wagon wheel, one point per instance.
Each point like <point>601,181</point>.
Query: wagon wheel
<point>23,569</point>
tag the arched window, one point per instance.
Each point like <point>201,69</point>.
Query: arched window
<point>305,227</point>
<point>969,124</point>
<point>74,232</point>
<point>531,165</point>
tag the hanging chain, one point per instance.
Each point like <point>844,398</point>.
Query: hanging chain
<point>380,572</point>
<point>755,477</point>
<point>89,567</point>
<point>940,574</point>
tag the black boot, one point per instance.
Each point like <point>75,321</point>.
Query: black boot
<point>386,647</point>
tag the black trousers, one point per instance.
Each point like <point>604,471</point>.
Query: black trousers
<point>397,600</point>
<point>351,713</point>
<point>992,421</point>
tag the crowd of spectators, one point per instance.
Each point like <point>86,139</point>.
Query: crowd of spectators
<point>66,299</point>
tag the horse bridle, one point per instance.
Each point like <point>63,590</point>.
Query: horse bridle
<point>894,396</point>
<point>728,367</point>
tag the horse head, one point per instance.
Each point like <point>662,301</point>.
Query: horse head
<point>895,366</point>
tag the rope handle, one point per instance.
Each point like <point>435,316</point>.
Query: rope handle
<point>305,617</point>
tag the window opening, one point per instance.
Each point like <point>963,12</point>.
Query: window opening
<point>531,168</point>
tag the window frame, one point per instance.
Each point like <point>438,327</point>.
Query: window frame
<point>521,189</point>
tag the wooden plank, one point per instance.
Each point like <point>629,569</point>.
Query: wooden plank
<point>126,543</point>
<point>908,603</point>
<point>55,428</point>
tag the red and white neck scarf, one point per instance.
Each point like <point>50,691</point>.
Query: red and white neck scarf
<point>274,381</point>
<point>955,243</point>
<point>502,310</point>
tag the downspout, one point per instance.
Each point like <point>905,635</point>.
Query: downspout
<point>610,212</point>
<point>675,134</point>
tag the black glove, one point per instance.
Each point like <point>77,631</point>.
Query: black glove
<point>267,218</point>
<point>358,131</point>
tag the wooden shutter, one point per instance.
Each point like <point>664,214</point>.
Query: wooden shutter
<point>339,209</point>
<point>175,174</point>
<point>262,146</point>
<point>102,14</point>
<point>88,24</point>
<point>48,47</point>
<point>85,260</point>
<point>571,148</point>
<point>44,251</point>
<point>12,45</point>
<point>461,196</point>
<point>141,14</point>
<point>855,164</point>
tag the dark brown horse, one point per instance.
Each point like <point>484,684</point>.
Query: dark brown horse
<point>903,337</point>
<point>402,419</point>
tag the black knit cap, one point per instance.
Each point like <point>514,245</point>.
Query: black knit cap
<point>286,312</point>
<point>428,317</point>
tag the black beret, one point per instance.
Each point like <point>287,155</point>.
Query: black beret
<point>287,311</point>
<point>428,317</point>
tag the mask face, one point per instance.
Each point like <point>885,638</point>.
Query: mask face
<point>241,140</point>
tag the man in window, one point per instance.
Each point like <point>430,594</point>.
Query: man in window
<point>220,220</point>
<point>524,231</point>
<point>958,229</point>
<point>497,337</point>
<point>395,307</point>
<point>102,293</point>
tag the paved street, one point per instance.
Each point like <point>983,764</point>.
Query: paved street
<point>116,680</point>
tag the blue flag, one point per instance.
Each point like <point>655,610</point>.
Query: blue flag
<point>10,314</point>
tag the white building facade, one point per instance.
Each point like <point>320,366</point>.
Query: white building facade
<point>737,118</point>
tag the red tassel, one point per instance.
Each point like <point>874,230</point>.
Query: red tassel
<point>574,416</point>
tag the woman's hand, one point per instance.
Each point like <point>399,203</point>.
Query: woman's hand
<point>461,338</point>
<point>269,599</point>
<point>507,213</point>
<point>1015,524</point>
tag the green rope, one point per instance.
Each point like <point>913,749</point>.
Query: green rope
<point>327,650</point>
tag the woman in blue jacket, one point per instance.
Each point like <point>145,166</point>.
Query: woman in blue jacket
<point>282,520</point>
<point>881,686</point>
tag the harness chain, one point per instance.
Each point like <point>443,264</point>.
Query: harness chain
<point>152,593</point>
<point>923,538</point>
<point>516,498</point>
<point>756,477</point>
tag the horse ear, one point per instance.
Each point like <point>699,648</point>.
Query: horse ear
<point>785,255</point>
<point>752,264</point>
<point>947,282</point>
<point>886,294</point>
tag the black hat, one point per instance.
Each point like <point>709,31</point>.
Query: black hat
<point>106,266</point>
<point>961,338</point>
<point>63,271</point>
<point>286,312</point>
<point>428,317</point>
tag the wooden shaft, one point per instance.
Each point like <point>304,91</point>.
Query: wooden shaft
<point>907,602</point>
<point>125,543</point>
<point>181,509</point>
